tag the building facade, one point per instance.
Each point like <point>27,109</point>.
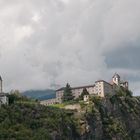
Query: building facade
<point>76,91</point>
<point>100,88</point>
<point>3,97</point>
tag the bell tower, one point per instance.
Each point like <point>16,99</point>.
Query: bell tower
<point>116,79</point>
<point>0,84</point>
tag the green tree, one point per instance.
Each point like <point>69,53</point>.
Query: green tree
<point>123,92</point>
<point>15,96</point>
<point>67,93</point>
<point>84,92</point>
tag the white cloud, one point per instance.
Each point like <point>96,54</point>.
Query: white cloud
<point>65,1</point>
<point>36,17</point>
<point>57,41</point>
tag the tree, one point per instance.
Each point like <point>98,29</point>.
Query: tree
<point>84,92</point>
<point>123,92</point>
<point>15,96</point>
<point>67,93</point>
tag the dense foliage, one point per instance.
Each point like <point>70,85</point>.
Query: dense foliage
<point>26,119</point>
<point>22,121</point>
<point>15,97</point>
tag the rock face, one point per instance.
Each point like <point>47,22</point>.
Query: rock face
<point>112,118</point>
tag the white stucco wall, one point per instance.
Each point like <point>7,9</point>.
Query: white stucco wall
<point>3,100</point>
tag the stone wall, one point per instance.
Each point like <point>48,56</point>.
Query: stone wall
<point>50,101</point>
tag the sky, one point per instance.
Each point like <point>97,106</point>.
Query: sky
<point>47,43</point>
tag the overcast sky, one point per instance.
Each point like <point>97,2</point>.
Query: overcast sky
<point>46,43</point>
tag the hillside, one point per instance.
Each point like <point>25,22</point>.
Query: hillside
<point>35,122</point>
<point>113,118</point>
<point>110,118</point>
<point>40,94</point>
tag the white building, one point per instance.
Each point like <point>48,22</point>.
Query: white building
<point>86,98</point>
<point>3,97</point>
<point>76,91</point>
<point>100,88</point>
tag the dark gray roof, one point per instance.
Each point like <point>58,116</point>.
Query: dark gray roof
<point>2,95</point>
<point>87,86</point>
<point>60,89</point>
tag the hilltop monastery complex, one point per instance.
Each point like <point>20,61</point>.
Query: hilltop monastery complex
<point>100,88</point>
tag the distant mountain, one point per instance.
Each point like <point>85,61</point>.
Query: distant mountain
<point>40,94</point>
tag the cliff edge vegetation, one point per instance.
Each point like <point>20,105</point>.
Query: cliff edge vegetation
<point>114,117</point>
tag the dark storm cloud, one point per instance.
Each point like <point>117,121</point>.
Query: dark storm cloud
<point>126,58</point>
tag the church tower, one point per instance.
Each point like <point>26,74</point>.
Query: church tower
<point>0,84</point>
<point>116,79</point>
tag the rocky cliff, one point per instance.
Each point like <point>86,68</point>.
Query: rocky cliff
<point>111,118</point>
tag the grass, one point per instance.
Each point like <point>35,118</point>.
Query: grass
<point>26,102</point>
<point>58,105</point>
<point>62,105</point>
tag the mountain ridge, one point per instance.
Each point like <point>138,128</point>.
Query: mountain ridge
<point>40,94</point>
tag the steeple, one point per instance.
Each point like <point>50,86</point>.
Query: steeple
<point>0,84</point>
<point>116,79</point>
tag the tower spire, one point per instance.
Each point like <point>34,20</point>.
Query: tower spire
<point>116,79</point>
